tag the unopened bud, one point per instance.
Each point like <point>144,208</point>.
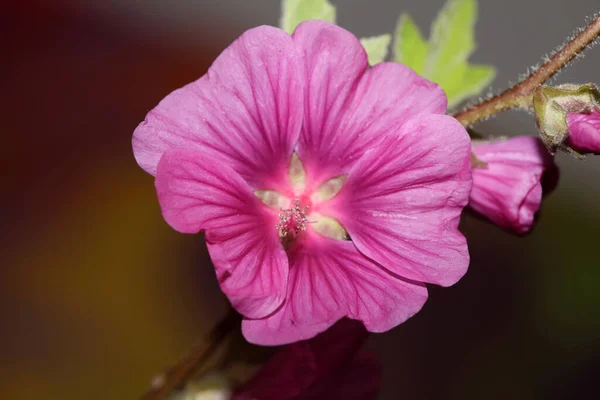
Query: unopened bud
<point>508,186</point>
<point>553,107</point>
<point>584,132</point>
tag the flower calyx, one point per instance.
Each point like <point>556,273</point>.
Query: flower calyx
<point>552,105</point>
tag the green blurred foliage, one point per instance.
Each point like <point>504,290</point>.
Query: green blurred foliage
<point>295,11</point>
<point>444,58</point>
<point>376,47</point>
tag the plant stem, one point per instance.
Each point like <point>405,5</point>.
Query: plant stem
<point>177,375</point>
<point>520,94</point>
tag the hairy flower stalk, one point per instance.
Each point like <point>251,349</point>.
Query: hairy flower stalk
<point>520,95</point>
<point>200,353</point>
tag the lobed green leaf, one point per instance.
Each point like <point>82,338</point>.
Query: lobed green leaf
<point>451,41</point>
<point>475,79</point>
<point>294,12</point>
<point>444,58</point>
<point>376,47</point>
<point>410,48</point>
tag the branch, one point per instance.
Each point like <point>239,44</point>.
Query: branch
<point>177,375</point>
<point>520,94</point>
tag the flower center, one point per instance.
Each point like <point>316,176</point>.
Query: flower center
<point>292,221</point>
<point>295,215</point>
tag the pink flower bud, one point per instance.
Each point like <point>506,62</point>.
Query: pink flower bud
<point>508,188</point>
<point>584,132</point>
<point>328,366</point>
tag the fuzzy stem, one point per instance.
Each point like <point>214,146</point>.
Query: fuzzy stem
<point>520,95</point>
<point>199,354</point>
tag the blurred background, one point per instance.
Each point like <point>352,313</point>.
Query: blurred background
<point>98,294</point>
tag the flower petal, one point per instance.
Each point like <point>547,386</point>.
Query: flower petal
<point>337,345</point>
<point>508,189</point>
<point>383,98</point>
<point>358,379</point>
<point>335,62</point>
<point>584,132</point>
<point>402,201</point>
<point>244,110</point>
<point>286,375</point>
<point>196,193</point>
<point>387,96</point>
<point>308,367</point>
<point>330,279</point>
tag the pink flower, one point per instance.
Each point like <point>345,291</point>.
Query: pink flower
<point>290,146</point>
<point>508,190</point>
<point>329,366</point>
<point>584,132</point>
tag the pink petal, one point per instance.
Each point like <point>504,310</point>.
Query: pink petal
<point>330,279</point>
<point>584,132</point>
<point>358,379</point>
<point>196,192</point>
<point>335,62</point>
<point>362,378</point>
<point>350,109</point>
<point>508,190</point>
<point>337,345</point>
<point>286,375</point>
<point>245,110</point>
<point>403,199</point>
<point>387,96</point>
<point>321,362</point>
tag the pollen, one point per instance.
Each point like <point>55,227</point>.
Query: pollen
<point>292,221</point>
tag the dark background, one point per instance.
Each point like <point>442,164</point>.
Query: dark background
<point>97,293</point>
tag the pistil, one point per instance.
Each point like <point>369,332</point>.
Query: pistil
<point>292,221</point>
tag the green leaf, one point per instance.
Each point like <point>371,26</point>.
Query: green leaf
<point>444,58</point>
<point>295,11</point>
<point>409,46</point>
<point>376,47</point>
<point>451,40</point>
<point>475,79</point>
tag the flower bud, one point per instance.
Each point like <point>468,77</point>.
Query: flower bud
<point>553,107</point>
<point>328,366</point>
<point>584,132</point>
<point>507,182</point>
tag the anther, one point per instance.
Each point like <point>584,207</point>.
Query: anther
<point>292,221</point>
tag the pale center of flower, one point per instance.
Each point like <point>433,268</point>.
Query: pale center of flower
<point>295,215</point>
